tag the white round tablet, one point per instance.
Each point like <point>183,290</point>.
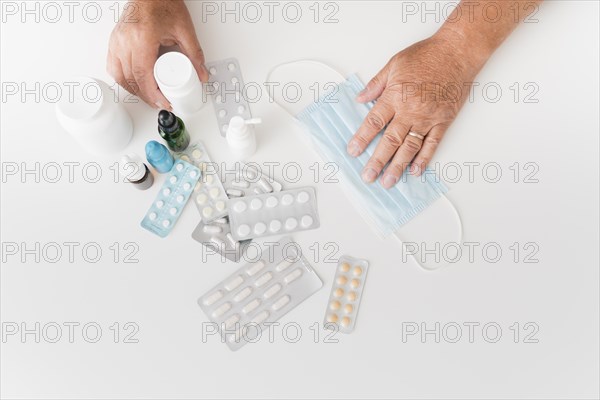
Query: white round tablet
<point>303,197</point>
<point>207,211</point>
<point>287,199</point>
<point>152,216</point>
<point>291,223</point>
<point>256,204</point>
<point>214,192</point>
<point>180,198</point>
<point>173,179</point>
<point>240,206</point>
<point>201,198</point>
<point>306,221</point>
<point>166,223</point>
<point>196,154</point>
<point>187,186</point>
<point>173,211</point>
<point>271,201</point>
<point>167,191</point>
<point>220,205</point>
<point>275,225</point>
<point>193,174</point>
<point>179,167</point>
<point>260,228</point>
<point>243,230</point>
<point>160,204</point>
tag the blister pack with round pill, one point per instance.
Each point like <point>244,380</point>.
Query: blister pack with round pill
<point>172,197</point>
<point>225,88</point>
<point>247,179</point>
<point>260,292</point>
<point>217,237</point>
<point>346,294</point>
<point>209,194</point>
<point>274,213</point>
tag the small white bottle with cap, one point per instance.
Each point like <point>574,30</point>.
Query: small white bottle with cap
<point>134,171</point>
<point>179,82</point>
<point>241,137</point>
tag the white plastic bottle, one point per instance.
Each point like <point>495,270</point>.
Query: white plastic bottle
<point>179,82</point>
<point>134,171</point>
<point>94,117</point>
<point>241,137</point>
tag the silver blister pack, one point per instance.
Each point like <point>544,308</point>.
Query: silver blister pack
<point>248,180</point>
<point>346,294</point>
<point>226,89</point>
<point>260,293</point>
<point>274,213</point>
<point>216,235</point>
<point>209,194</point>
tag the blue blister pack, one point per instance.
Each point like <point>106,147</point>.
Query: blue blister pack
<point>174,194</point>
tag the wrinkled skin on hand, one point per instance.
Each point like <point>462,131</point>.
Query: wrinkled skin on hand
<point>420,90</point>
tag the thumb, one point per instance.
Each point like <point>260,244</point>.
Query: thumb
<point>188,42</point>
<point>374,88</point>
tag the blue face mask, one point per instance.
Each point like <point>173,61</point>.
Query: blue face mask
<point>331,122</point>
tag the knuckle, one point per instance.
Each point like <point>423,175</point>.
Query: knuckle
<point>375,120</point>
<point>139,72</point>
<point>412,145</point>
<point>392,138</point>
<point>360,140</point>
<point>376,163</point>
<point>433,141</point>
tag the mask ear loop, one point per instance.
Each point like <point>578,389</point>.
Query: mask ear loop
<point>460,236</point>
<point>301,61</point>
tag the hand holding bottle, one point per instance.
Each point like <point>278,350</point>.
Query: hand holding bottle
<point>135,42</point>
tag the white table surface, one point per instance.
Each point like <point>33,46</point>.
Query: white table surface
<point>558,214</point>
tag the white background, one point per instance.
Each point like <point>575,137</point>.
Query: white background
<point>559,294</point>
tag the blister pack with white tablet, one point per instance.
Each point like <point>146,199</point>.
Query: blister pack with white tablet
<point>346,294</point>
<point>274,213</point>
<point>260,293</point>
<point>248,180</point>
<point>209,194</point>
<point>169,203</point>
<point>216,235</point>
<point>226,88</point>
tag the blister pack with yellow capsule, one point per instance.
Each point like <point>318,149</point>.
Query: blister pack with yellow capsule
<point>346,294</point>
<point>209,194</point>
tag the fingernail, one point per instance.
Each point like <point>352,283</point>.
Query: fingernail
<point>360,95</point>
<point>389,181</point>
<point>369,175</point>
<point>205,70</point>
<point>353,149</point>
<point>161,106</point>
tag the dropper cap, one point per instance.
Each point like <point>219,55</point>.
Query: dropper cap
<point>238,127</point>
<point>155,150</point>
<point>167,121</point>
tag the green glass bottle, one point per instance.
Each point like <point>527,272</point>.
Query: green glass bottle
<point>172,129</point>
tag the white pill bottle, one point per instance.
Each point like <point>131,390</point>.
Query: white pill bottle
<point>179,83</point>
<point>241,137</point>
<point>94,116</point>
